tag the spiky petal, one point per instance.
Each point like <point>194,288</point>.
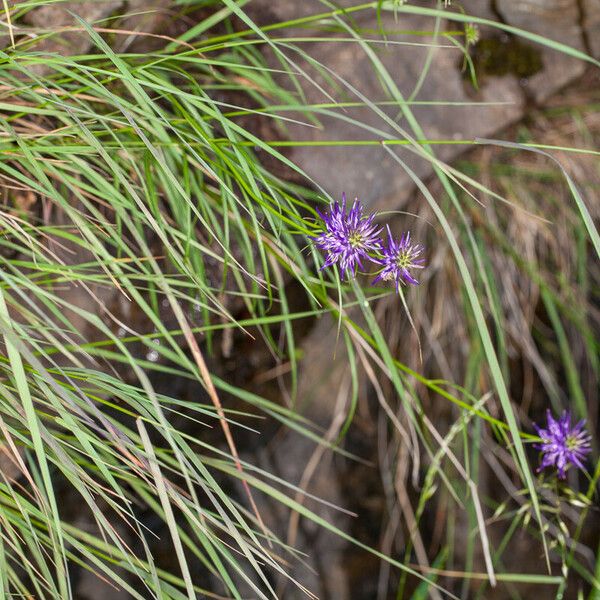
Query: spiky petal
<point>349,236</point>
<point>399,259</point>
<point>563,444</point>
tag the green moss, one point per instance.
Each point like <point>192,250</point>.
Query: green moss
<point>505,56</point>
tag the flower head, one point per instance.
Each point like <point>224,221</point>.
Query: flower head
<point>349,236</point>
<point>399,258</point>
<point>562,443</point>
<point>471,34</point>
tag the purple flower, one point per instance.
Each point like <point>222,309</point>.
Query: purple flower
<point>563,444</point>
<point>349,237</point>
<point>399,258</point>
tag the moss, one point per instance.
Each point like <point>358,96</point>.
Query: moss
<point>505,56</point>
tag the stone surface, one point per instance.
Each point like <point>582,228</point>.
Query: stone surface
<point>91,587</point>
<point>379,176</point>
<point>297,459</point>
<point>369,171</point>
<point>154,17</point>
<point>591,23</point>
<point>58,15</point>
<point>557,20</point>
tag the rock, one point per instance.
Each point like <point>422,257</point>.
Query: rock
<point>322,398</point>
<point>91,587</point>
<point>482,9</point>
<point>558,20</point>
<point>591,24</point>
<point>146,17</point>
<point>57,14</point>
<point>378,175</point>
<point>152,17</point>
<point>67,43</point>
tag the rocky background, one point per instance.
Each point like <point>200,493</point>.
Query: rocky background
<point>520,80</point>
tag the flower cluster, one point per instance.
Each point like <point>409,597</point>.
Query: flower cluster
<point>351,237</point>
<point>563,444</point>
